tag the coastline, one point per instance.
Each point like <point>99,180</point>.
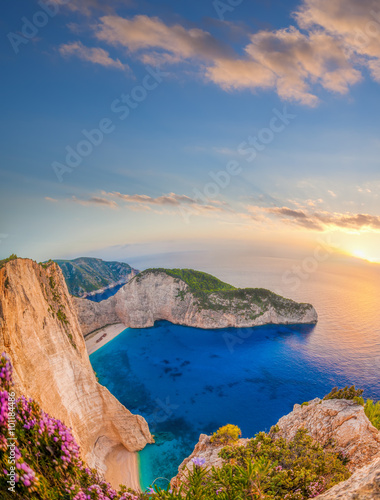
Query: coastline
<point>109,332</point>
<point>122,465</point>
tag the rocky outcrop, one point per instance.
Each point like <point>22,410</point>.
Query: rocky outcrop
<point>339,420</point>
<point>154,296</point>
<point>204,449</point>
<point>41,334</point>
<point>364,484</point>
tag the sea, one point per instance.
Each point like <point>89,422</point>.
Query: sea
<point>187,381</point>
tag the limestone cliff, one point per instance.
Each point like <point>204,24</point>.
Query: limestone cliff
<point>40,332</point>
<point>156,295</point>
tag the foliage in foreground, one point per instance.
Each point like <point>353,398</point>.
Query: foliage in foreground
<point>226,435</point>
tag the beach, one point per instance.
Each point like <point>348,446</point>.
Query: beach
<point>122,468</point>
<point>97,339</point>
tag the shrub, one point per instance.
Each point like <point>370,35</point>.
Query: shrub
<point>345,393</point>
<point>227,434</point>
<point>267,468</point>
<point>372,410</point>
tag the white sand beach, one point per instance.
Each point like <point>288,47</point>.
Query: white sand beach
<point>123,468</point>
<point>95,340</point>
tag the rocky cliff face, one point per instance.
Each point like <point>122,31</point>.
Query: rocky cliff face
<point>95,315</point>
<point>155,296</point>
<point>40,332</point>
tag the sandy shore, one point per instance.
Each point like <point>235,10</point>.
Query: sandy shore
<point>107,333</point>
<point>123,468</point>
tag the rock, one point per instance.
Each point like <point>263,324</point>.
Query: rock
<point>95,315</point>
<point>364,484</point>
<point>154,296</point>
<point>203,449</point>
<point>335,419</point>
<point>41,334</point>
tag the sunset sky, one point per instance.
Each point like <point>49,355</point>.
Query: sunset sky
<point>210,124</point>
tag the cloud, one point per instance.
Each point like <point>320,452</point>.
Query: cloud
<point>95,55</point>
<point>328,48</point>
<point>355,24</point>
<point>52,200</point>
<point>171,200</point>
<point>299,59</point>
<point>322,220</point>
<point>143,32</point>
<point>94,200</point>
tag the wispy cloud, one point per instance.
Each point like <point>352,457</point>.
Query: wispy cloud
<point>321,220</point>
<point>171,200</point>
<point>94,200</point>
<point>95,55</point>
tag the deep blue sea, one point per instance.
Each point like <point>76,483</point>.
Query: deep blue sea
<point>187,381</point>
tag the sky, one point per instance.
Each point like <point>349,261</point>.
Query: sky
<point>140,127</point>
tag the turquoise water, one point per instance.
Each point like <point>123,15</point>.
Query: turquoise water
<point>187,381</point>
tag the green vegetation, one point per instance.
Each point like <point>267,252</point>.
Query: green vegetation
<point>86,274</point>
<point>198,282</point>
<point>62,316</point>
<point>226,435</point>
<point>46,264</point>
<point>13,256</point>
<point>345,393</point>
<point>372,410</point>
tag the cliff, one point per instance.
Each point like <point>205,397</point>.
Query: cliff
<point>86,275</point>
<point>190,298</point>
<point>40,332</point>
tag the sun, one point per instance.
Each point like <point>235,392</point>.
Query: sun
<point>360,254</point>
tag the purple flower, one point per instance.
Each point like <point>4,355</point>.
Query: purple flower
<point>198,461</point>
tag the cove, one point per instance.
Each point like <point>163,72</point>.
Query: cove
<point>186,381</point>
